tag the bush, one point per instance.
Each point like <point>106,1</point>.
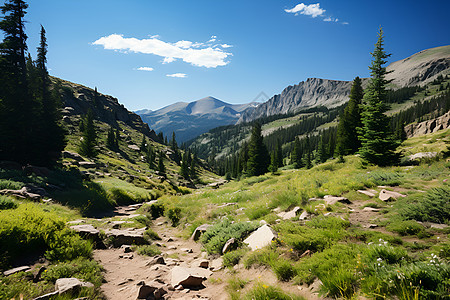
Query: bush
<point>156,210</point>
<point>7,202</point>
<point>255,213</point>
<point>265,292</point>
<point>149,234</point>
<point>263,257</point>
<point>217,235</point>
<point>386,253</point>
<point>149,250</point>
<point>174,214</point>
<point>385,178</point>
<point>433,207</point>
<point>283,269</point>
<point>233,257</point>
<point>341,283</point>
<point>407,228</point>
<point>81,268</point>
<point>29,230</point>
<point>121,197</point>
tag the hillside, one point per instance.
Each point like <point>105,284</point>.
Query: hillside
<point>418,69</point>
<point>189,120</point>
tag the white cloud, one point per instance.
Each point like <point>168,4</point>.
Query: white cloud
<point>197,54</point>
<point>345,23</point>
<point>145,69</point>
<point>177,75</point>
<point>226,46</point>
<point>312,10</point>
<point>330,19</point>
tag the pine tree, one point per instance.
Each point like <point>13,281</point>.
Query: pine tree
<point>279,154</point>
<point>322,152</point>
<point>193,168</point>
<point>161,166</point>
<point>111,139</point>
<point>16,106</point>
<point>150,156</point>
<point>297,155</point>
<point>347,136</point>
<point>143,146</point>
<point>87,145</point>
<point>273,163</point>
<point>378,143</point>
<point>258,158</point>
<point>184,170</point>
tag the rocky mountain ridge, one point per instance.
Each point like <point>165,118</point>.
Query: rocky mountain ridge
<point>189,120</point>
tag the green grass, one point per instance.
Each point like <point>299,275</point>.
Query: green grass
<point>262,291</point>
<point>148,250</point>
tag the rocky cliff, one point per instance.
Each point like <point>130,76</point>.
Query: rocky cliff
<point>442,122</point>
<point>310,93</point>
<point>77,100</point>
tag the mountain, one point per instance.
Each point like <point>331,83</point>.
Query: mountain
<point>189,120</point>
<point>417,69</point>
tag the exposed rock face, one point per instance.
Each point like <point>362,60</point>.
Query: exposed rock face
<point>199,231</point>
<point>310,93</point>
<point>386,195</point>
<point>78,99</point>
<point>17,270</point>
<point>420,68</point>
<point>442,122</point>
<point>65,285</point>
<point>260,238</point>
<point>126,237</point>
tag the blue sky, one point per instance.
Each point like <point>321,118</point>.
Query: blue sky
<point>150,54</point>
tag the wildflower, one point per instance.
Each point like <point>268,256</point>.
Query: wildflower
<point>265,286</point>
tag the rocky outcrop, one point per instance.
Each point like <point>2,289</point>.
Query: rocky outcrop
<point>17,270</point>
<point>78,99</point>
<point>126,237</point>
<point>386,195</point>
<point>310,93</point>
<point>189,277</point>
<point>66,285</point>
<point>431,126</point>
<point>199,231</point>
<point>420,68</point>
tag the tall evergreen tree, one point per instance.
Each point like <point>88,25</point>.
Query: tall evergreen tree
<point>184,170</point>
<point>258,157</point>
<point>111,141</point>
<point>161,166</point>
<point>279,154</point>
<point>347,136</point>
<point>297,154</point>
<point>378,143</point>
<point>16,106</point>
<point>87,145</point>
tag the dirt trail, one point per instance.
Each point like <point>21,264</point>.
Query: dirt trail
<point>123,275</point>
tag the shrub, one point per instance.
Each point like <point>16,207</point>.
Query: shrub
<point>386,253</point>
<point>7,202</point>
<point>255,213</point>
<point>151,235</point>
<point>265,292</point>
<point>156,210</point>
<point>283,269</point>
<point>121,197</point>
<point>149,250</point>
<point>29,229</point>
<point>174,214</point>
<point>385,178</point>
<point>263,257</point>
<point>340,283</point>
<point>217,235</point>
<point>233,257</point>
<point>433,207</point>
<point>407,228</point>
<point>81,268</point>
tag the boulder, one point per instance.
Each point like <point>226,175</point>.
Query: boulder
<point>199,231</point>
<point>189,277</point>
<point>229,245</point>
<point>290,214</point>
<point>305,215</point>
<point>386,195</point>
<point>370,193</point>
<point>87,164</point>
<point>422,155</point>
<point>17,270</point>
<point>134,147</point>
<point>24,193</point>
<point>72,155</point>
<point>126,237</point>
<point>260,238</point>
<point>216,264</point>
<point>68,285</point>
<point>330,200</point>
<point>371,209</point>
<point>87,231</point>
<point>126,248</point>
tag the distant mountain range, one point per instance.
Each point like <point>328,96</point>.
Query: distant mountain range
<point>189,120</point>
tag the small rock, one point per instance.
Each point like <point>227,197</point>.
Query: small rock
<point>187,250</point>
<point>216,264</point>
<point>126,248</point>
<point>64,285</point>
<point>330,200</point>
<point>17,270</point>
<point>305,215</point>
<point>172,247</point>
<point>189,277</point>
<point>370,193</point>
<point>229,245</point>
<point>371,209</point>
<point>126,256</point>
<point>156,260</point>
<point>386,195</point>
<point>199,231</point>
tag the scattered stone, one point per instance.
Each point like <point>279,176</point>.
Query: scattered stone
<point>172,247</point>
<point>23,193</point>
<point>117,224</point>
<point>204,263</point>
<point>126,237</point>
<point>153,290</point>
<point>127,256</point>
<point>187,250</point>
<point>17,270</point>
<point>76,222</point>
<point>72,155</point>
<point>422,155</point>
<point>370,193</point>
<point>126,248</point>
<point>370,226</point>
<point>291,214</point>
<point>260,238</point>
<point>305,215</point>
<point>64,285</point>
<point>330,200</point>
<point>306,253</point>
<point>134,147</point>
<point>88,231</point>
<point>386,195</point>
<point>371,209</point>
<point>438,226</point>
<point>229,245</point>
<point>87,164</point>
<point>199,231</point>
<point>170,239</point>
<point>227,204</point>
<point>262,222</point>
<point>47,296</point>
<point>156,260</point>
<point>189,277</point>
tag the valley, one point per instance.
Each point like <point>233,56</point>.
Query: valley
<point>331,189</point>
